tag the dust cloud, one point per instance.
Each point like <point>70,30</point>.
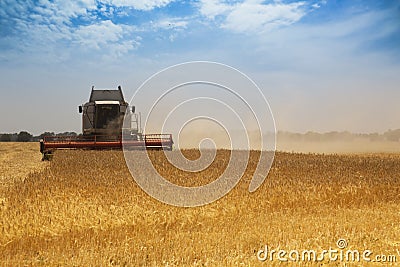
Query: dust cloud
<point>328,143</point>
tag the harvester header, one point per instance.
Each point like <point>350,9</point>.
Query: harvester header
<point>108,122</point>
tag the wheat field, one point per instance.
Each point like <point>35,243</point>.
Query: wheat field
<point>84,209</point>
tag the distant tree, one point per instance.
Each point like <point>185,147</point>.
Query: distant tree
<point>347,136</point>
<point>288,136</point>
<point>67,134</point>
<point>14,137</point>
<point>41,136</point>
<point>312,136</point>
<point>5,137</point>
<point>392,135</point>
<point>24,136</point>
<point>374,137</point>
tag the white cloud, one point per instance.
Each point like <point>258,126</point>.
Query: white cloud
<point>213,8</point>
<point>171,23</point>
<point>174,24</point>
<point>256,17</point>
<point>63,11</point>
<point>316,5</point>
<point>96,35</point>
<point>105,34</point>
<point>168,28</point>
<point>253,16</point>
<point>145,5</point>
<point>47,28</point>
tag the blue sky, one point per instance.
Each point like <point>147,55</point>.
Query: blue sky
<point>323,65</point>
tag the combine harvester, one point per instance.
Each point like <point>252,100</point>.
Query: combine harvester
<point>103,125</point>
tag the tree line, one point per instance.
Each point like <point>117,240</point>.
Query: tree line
<point>25,136</point>
<point>390,135</point>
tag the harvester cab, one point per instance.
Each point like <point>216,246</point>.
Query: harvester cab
<point>108,122</point>
<point>105,112</point>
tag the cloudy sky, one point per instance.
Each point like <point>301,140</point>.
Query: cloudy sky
<point>323,65</point>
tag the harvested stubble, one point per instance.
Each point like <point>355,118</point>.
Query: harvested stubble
<point>84,209</point>
<point>17,160</point>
